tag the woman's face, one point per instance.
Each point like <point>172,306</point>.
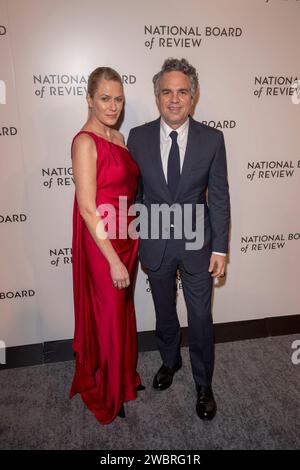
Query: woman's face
<point>107,102</point>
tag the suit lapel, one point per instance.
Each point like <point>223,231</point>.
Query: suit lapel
<point>161,180</point>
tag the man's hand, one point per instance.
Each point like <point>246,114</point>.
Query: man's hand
<point>217,265</point>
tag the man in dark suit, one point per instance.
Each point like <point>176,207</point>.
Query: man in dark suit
<point>183,162</point>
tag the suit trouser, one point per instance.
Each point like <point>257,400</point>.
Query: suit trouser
<point>197,290</point>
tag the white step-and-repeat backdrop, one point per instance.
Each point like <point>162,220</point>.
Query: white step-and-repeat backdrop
<point>246,54</point>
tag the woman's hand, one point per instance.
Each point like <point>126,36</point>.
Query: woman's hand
<point>119,275</point>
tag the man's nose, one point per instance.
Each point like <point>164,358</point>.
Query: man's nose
<point>175,97</point>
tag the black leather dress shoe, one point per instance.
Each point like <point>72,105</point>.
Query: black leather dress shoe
<point>164,377</point>
<point>140,388</point>
<point>206,406</point>
<point>121,413</point>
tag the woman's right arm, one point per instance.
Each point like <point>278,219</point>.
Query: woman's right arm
<point>84,163</point>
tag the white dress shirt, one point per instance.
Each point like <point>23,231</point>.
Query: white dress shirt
<point>165,147</point>
<point>166,143</point>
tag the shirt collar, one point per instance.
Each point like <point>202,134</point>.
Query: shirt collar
<point>166,129</point>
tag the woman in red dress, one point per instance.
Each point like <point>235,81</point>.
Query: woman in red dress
<point>104,265</point>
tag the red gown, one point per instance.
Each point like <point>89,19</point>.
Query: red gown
<point>105,340</point>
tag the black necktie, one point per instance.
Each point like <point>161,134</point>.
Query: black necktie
<point>173,165</point>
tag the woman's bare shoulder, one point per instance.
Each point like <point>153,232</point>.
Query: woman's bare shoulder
<point>83,144</point>
<point>119,137</point>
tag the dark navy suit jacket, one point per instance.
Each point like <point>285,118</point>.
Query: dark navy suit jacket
<point>203,181</point>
